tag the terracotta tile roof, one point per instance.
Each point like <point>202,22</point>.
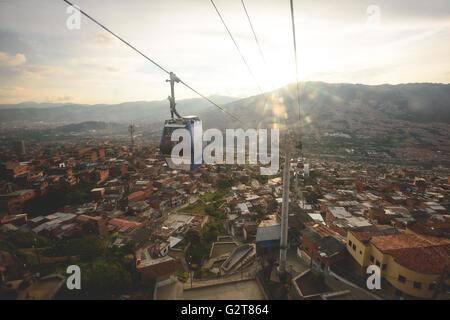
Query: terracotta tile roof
<point>419,253</point>
<point>430,260</point>
<point>361,236</point>
<point>402,241</point>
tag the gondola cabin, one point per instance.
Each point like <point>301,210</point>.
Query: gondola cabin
<point>196,136</point>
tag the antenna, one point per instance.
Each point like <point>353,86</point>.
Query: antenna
<point>132,130</point>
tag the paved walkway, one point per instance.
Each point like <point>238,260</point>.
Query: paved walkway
<point>173,291</point>
<point>294,264</point>
<point>242,290</point>
<point>222,280</point>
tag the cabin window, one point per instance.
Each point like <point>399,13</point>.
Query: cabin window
<point>350,243</point>
<point>401,278</point>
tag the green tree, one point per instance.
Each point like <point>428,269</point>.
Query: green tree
<point>225,183</point>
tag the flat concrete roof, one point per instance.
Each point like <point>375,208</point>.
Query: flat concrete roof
<point>243,290</point>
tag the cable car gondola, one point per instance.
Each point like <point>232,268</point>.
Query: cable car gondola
<point>192,124</point>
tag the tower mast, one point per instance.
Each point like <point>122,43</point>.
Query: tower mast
<point>285,205</point>
<point>132,130</point>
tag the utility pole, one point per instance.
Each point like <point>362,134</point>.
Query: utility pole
<point>296,183</point>
<point>285,205</point>
<point>132,130</point>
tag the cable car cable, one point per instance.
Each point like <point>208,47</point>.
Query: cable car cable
<point>239,50</point>
<point>149,59</point>
<point>259,45</point>
<point>254,34</point>
<point>115,35</point>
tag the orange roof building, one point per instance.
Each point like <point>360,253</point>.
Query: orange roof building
<point>412,265</point>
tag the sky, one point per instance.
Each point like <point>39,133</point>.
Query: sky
<point>352,41</point>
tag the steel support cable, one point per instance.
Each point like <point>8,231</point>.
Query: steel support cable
<point>240,52</point>
<point>151,60</point>
<point>254,34</point>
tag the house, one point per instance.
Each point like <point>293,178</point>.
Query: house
<point>13,202</point>
<point>161,268</point>
<point>320,251</point>
<point>333,213</point>
<point>137,196</point>
<point>98,193</point>
<point>411,265</point>
<point>268,236</point>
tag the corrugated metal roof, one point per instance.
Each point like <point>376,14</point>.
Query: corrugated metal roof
<point>268,231</point>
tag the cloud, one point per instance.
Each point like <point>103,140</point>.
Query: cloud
<point>36,72</point>
<point>61,99</point>
<point>105,39</point>
<point>12,61</point>
<point>112,69</point>
<point>16,94</point>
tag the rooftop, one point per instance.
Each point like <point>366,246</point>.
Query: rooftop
<point>418,253</point>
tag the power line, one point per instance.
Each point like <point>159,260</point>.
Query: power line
<point>254,34</point>
<point>149,59</point>
<point>238,49</point>
<point>258,44</point>
<point>210,101</point>
<point>115,35</point>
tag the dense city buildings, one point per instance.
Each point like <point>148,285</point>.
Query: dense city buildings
<point>91,204</point>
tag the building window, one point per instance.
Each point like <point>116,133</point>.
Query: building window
<point>417,285</point>
<point>360,252</point>
<point>350,243</point>
<point>401,278</point>
<point>378,263</point>
<point>384,267</point>
<point>354,247</point>
<point>372,259</point>
<point>432,286</point>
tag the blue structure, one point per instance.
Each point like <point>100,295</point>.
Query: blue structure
<point>194,126</point>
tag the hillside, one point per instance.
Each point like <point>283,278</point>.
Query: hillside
<point>140,111</point>
<point>324,103</point>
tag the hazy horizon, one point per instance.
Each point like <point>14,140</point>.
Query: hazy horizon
<point>218,95</point>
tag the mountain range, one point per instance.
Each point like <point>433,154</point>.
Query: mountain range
<point>139,111</point>
<point>407,121</point>
<point>320,102</point>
